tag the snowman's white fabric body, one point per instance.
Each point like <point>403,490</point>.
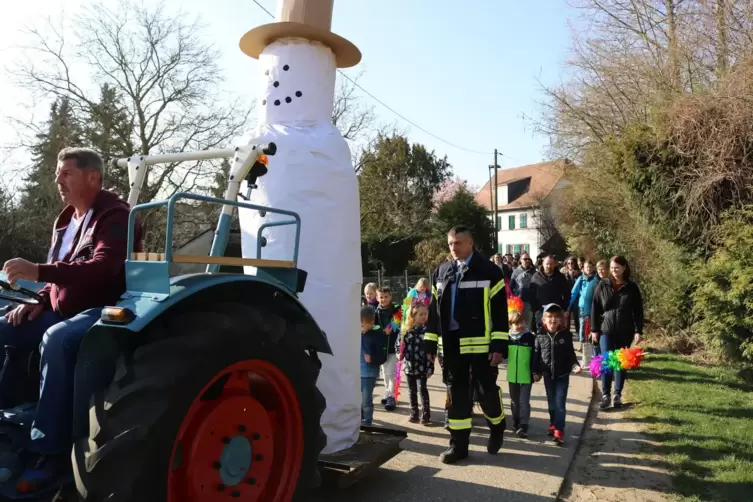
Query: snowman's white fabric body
<point>312,174</point>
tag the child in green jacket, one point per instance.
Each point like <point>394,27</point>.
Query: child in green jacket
<point>519,371</point>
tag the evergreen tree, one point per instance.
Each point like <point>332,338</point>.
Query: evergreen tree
<point>397,182</point>
<point>461,209</point>
<point>221,179</point>
<point>6,223</point>
<point>40,200</point>
<point>108,131</point>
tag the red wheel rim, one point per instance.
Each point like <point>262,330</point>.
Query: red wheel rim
<point>242,437</point>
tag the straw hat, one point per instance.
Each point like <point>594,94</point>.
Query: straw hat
<point>309,19</point>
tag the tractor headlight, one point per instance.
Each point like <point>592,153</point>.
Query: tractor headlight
<point>117,315</point>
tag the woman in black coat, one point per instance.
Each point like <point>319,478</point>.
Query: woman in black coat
<point>616,322</point>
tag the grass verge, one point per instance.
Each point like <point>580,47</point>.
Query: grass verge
<point>701,419</point>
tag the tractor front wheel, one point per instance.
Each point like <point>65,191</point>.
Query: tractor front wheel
<point>215,406</point>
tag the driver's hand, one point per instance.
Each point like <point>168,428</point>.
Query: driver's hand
<point>16,316</point>
<point>20,269</point>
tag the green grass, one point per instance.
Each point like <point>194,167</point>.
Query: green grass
<point>702,418</point>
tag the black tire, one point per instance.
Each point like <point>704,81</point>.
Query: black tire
<point>133,425</point>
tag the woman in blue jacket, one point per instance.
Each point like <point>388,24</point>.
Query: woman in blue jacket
<point>582,293</point>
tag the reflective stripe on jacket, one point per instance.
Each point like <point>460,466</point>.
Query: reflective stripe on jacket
<point>480,308</point>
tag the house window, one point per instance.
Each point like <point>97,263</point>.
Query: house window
<point>500,247</point>
<point>499,223</point>
<point>511,220</point>
<point>515,249</point>
<point>524,220</point>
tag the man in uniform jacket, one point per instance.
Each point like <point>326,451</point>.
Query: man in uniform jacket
<point>469,316</point>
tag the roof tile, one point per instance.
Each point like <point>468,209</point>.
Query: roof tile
<point>544,177</point>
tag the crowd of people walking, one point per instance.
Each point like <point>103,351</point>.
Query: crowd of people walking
<point>461,318</point>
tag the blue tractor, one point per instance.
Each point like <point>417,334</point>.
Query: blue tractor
<point>200,387</point>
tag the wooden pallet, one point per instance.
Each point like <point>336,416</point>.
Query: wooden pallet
<point>375,446</point>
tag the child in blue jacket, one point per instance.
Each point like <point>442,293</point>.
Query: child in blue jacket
<point>583,293</point>
<point>373,355</point>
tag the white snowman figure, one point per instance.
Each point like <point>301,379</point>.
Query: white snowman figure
<point>312,174</point>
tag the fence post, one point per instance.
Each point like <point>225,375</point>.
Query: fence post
<point>379,278</point>
<point>407,286</point>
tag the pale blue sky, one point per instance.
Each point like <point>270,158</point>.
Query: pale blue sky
<point>465,71</point>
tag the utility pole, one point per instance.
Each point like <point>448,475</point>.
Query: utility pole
<point>496,203</point>
<point>491,201</point>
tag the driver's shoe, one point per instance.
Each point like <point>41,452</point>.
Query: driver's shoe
<point>43,470</point>
<point>10,464</point>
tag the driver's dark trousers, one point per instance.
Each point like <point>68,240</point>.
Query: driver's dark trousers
<point>456,376</point>
<point>58,340</point>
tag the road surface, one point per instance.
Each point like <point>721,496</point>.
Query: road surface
<point>525,470</point>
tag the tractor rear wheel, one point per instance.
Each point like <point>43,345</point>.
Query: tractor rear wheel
<point>214,406</point>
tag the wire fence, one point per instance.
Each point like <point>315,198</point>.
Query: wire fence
<point>398,284</point>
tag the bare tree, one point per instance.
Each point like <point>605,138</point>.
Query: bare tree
<point>670,11</point>
<point>545,210</point>
<point>722,50</point>
<point>350,115</point>
<point>167,77</point>
<point>632,54</point>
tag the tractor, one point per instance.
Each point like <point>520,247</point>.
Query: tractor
<point>202,386</point>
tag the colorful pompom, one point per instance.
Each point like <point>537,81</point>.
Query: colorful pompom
<point>595,366</point>
<point>614,363</point>
<point>616,360</point>
<point>630,358</point>
<point>397,319</point>
<point>398,380</point>
<point>605,367</point>
<point>515,303</point>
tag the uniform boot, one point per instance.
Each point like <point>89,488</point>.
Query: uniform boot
<point>458,449</point>
<point>447,412</point>
<point>496,437</point>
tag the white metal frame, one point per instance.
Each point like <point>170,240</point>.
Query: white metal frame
<point>244,158</point>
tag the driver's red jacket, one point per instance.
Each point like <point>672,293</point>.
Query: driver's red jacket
<point>92,273</point>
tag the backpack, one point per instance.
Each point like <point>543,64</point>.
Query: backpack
<point>380,357</point>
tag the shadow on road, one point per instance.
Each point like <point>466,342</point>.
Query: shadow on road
<point>426,486</point>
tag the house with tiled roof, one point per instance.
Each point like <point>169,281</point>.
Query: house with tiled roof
<point>523,197</point>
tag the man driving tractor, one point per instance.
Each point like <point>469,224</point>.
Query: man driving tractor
<point>85,271</point>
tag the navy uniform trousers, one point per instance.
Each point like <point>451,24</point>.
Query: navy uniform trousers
<point>456,374</point>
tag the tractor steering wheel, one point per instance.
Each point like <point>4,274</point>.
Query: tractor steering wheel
<point>17,294</point>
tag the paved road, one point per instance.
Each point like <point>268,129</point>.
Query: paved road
<point>526,470</point>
